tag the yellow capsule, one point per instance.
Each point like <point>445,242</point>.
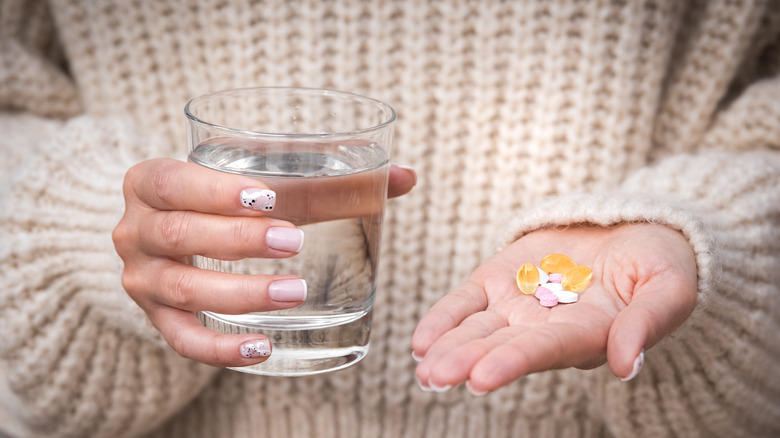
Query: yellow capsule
<point>576,279</point>
<point>528,278</point>
<point>556,263</point>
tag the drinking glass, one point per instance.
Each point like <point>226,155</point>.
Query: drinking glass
<point>325,154</point>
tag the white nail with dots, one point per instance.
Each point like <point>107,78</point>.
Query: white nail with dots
<point>258,199</point>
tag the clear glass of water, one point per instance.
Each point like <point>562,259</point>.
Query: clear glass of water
<point>326,155</point>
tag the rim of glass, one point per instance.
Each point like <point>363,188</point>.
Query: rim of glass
<point>321,91</point>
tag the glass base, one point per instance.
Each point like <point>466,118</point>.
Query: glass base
<point>300,350</point>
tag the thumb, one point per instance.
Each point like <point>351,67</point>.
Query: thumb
<point>654,312</point>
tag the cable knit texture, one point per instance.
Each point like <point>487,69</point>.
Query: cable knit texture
<point>516,116</point>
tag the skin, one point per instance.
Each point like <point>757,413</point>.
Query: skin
<point>175,209</point>
<point>484,332</point>
<point>488,334</point>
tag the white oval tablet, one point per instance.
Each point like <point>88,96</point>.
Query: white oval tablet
<point>553,287</point>
<point>543,277</point>
<point>565,297</point>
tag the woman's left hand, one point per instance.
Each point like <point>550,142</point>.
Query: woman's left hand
<point>488,334</point>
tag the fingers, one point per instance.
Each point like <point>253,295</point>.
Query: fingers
<point>185,334</point>
<point>447,314</point>
<point>165,282</point>
<point>488,362</point>
<point>545,347</point>
<point>167,184</point>
<point>439,369</point>
<point>183,233</point>
<point>401,180</point>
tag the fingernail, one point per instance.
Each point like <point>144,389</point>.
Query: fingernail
<point>258,199</point>
<point>409,170</point>
<point>256,348</point>
<point>638,362</point>
<point>423,387</point>
<point>416,357</point>
<point>284,239</point>
<point>288,290</point>
<point>436,388</point>
<point>473,391</point>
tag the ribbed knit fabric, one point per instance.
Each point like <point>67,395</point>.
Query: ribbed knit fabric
<point>516,116</point>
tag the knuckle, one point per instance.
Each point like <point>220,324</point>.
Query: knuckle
<point>162,180</point>
<point>243,231</point>
<point>124,235</point>
<point>215,191</point>
<point>181,291</point>
<point>174,228</point>
<point>177,339</point>
<point>132,176</point>
<point>133,282</point>
<point>215,353</point>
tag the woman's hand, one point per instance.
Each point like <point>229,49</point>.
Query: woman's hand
<point>175,210</point>
<point>488,334</point>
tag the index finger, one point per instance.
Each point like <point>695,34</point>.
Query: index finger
<point>168,184</point>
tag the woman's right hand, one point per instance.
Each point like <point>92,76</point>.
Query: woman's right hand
<point>174,210</point>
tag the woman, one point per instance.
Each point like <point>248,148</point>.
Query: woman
<point>640,138</point>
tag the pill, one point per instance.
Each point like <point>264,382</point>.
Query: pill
<point>543,277</point>
<point>548,300</point>
<point>555,278</point>
<point>527,278</point>
<point>557,263</point>
<point>566,297</point>
<point>553,287</point>
<point>541,291</point>
<point>577,278</point>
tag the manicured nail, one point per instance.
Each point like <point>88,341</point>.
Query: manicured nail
<point>436,388</point>
<point>473,391</point>
<point>284,239</point>
<point>288,290</point>
<point>638,362</point>
<point>423,387</point>
<point>256,348</point>
<point>258,199</point>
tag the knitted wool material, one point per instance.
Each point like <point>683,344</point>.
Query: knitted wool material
<point>516,116</point>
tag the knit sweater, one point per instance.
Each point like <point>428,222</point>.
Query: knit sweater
<point>516,116</point>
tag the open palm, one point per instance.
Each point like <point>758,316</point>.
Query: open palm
<point>487,333</point>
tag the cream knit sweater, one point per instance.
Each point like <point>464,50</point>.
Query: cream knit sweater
<point>516,115</point>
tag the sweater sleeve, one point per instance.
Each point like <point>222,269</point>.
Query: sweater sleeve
<point>78,357</point>
<point>717,375</point>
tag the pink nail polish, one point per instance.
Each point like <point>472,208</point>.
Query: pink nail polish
<point>258,199</point>
<point>256,348</point>
<point>284,239</point>
<point>288,290</point>
<point>638,362</point>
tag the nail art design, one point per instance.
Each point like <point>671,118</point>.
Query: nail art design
<point>254,349</point>
<point>258,199</point>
